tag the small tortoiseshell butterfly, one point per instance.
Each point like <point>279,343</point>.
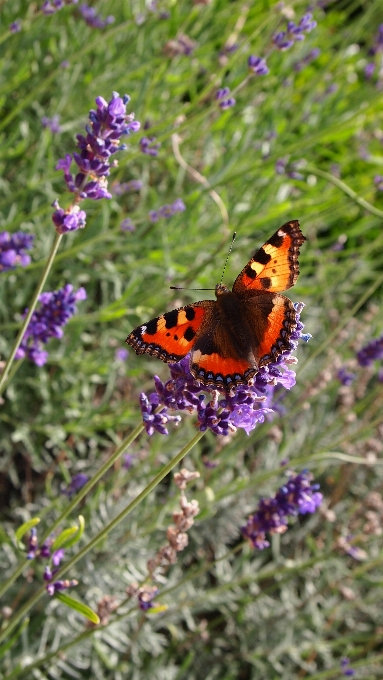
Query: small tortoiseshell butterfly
<point>232,337</point>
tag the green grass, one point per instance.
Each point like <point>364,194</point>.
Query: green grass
<point>295,609</point>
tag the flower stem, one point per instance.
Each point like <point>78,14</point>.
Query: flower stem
<point>76,500</point>
<point>310,169</point>
<point>24,326</point>
<point>13,622</point>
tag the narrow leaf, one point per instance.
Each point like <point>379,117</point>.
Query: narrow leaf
<point>78,607</point>
<point>27,526</point>
<point>70,536</point>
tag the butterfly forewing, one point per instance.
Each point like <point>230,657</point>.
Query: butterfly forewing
<point>274,267</point>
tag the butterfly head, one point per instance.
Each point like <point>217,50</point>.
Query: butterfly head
<point>220,289</point>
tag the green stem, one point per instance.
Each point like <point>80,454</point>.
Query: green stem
<point>14,621</point>
<point>20,335</point>
<point>310,169</point>
<point>76,500</point>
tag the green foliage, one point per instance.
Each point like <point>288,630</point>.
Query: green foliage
<point>223,610</point>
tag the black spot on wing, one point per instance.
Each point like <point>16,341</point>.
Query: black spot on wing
<point>265,282</point>
<point>151,327</point>
<point>276,240</point>
<point>189,334</point>
<point>251,273</point>
<point>262,257</point>
<point>171,319</point>
<point>190,313</point>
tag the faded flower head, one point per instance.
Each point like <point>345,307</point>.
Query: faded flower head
<point>47,322</point>
<point>168,210</point>
<point>52,123</point>
<point>93,19</point>
<point>13,249</point>
<point>44,551</point>
<point>371,352</point>
<point>180,45</point>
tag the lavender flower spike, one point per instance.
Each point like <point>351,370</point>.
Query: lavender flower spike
<point>224,101</point>
<point>371,352</point>
<point>258,66</point>
<point>47,322</point>
<point>297,496</point>
<point>108,123</point>
<point>12,249</point>
<point>93,20</point>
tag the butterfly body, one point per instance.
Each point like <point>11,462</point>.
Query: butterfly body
<point>232,337</point>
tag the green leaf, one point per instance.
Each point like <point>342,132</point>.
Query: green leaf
<point>78,607</point>
<point>70,536</point>
<point>27,526</point>
<point>158,609</point>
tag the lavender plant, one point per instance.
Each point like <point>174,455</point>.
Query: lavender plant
<point>304,139</point>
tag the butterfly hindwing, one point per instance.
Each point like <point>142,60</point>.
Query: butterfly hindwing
<point>274,267</point>
<point>171,335</point>
<point>274,319</point>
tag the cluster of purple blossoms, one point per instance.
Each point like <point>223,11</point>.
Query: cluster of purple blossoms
<point>127,225</point>
<point>221,413</point>
<point>167,210</point>
<point>12,249</point>
<point>311,56</point>
<point>378,181</point>
<point>223,99</point>
<point>15,26</point>
<point>148,146</point>
<point>108,123</point>
<point>258,65</point>
<point>120,188</point>
<point>55,311</point>
<point>284,167</point>
<point>44,551</point>
<point>77,482</point>
<point>93,20</point>
<point>346,668</point>
<point>52,123</point>
<point>283,40</point>
<point>371,352</point>
<point>53,6</point>
<point>181,45</point>
<point>297,496</point>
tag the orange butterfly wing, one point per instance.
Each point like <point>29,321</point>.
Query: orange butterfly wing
<point>274,267</point>
<point>172,335</point>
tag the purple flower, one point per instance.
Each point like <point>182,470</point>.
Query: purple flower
<point>121,354</point>
<point>223,100</point>
<point>108,123</point>
<point>15,26</point>
<point>65,63</point>
<point>12,249</point>
<point>378,181</point>
<point>167,210</point>
<point>133,185</point>
<point>146,595</point>
<point>313,54</point>
<point>55,311</point>
<point>128,461</point>
<point>369,70</point>
<point>378,43</point>
<point>345,376</point>
<point>127,225</point>
<point>70,219</point>
<point>283,40</point>
<point>93,20</point>
<point>225,413</point>
<point>148,146</point>
<point>155,421</point>
<point>53,6</point>
<point>258,65</point>
<point>77,482</point>
<point>345,666</point>
<point>57,556</point>
<point>297,496</point>
<point>371,352</point>
<point>283,167</point>
<point>51,123</point>
<point>32,546</point>
<point>182,44</point>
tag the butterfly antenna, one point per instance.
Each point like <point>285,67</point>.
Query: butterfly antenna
<point>228,255</point>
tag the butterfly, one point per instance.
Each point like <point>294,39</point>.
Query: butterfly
<point>232,337</point>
